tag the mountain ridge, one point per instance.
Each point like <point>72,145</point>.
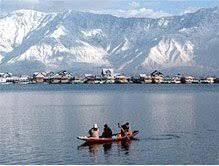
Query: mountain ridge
<point>86,42</point>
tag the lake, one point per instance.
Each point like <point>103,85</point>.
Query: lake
<point>178,124</point>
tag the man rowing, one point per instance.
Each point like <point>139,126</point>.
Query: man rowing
<point>124,135</point>
<point>125,129</point>
<point>107,132</point>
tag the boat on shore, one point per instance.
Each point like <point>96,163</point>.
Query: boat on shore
<point>115,138</point>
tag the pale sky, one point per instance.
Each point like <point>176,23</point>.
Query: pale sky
<point>125,8</point>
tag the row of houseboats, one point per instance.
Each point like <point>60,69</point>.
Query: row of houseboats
<point>107,76</point>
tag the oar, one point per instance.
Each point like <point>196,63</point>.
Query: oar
<point>118,133</point>
<point>115,134</point>
<point>123,131</point>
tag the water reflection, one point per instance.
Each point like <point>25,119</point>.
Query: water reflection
<point>107,148</point>
<point>39,127</point>
<point>95,148</point>
<point>124,146</point>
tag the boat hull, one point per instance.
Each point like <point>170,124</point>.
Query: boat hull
<point>116,138</point>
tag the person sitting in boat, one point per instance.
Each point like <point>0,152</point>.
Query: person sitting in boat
<point>94,132</point>
<point>125,129</point>
<point>107,132</point>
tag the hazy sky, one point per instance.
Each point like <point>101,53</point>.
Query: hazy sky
<point>138,8</point>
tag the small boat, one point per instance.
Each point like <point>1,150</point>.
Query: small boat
<point>115,138</point>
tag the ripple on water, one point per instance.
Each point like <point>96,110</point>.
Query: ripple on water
<point>162,137</point>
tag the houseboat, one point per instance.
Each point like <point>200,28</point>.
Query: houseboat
<point>39,77</point>
<point>144,79</point>
<point>167,80</point>
<point>189,79</point>
<point>77,80</point>
<point>3,80</point>
<point>63,77</point>
<point>207,80</point>
<point>121,79</point>
<point>23,79</point>
<point>176,79</point>
<point>107,76</point>
<point>157,77</point>
<point>89,79</point>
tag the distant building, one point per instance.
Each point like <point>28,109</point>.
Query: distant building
<point>176,79</point>
<point>167,80</point>
<point>24,79</point>
<point>3,80</point>
<point>89,79</point>
<point>107,76</point>
<point>107,73</point>
<point>55,79</point>
<point>157,77</point>
<point>62,77</point>
<point>48,77</point>
<point>207,80</point>
<point>145,79</point>
<point>77,80</point>
<point>109,81</point>
<point>121,79</point>
<point>189,79</point>
<point>5,75</point>
<point>135,79</point>
<point>210,80</point>
<point>10,78</point>
<point>39,77</point>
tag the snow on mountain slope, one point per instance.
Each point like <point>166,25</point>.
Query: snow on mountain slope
<point>92,33</point>
<point>52,58</point>
<point>15,26</point>
<point>85,42</point>
<point>59,32</point>
<point>170,53</point>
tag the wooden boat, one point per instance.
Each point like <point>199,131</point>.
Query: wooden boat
<point>115,138</point>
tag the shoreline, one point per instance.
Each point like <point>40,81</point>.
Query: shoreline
<point>130,83</point>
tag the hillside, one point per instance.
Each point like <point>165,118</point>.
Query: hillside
<point>84,42</point>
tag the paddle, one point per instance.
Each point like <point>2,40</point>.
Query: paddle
<point>123,131</point>
<point>120,128</point>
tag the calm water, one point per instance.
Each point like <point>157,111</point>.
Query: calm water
<point>178,123</point>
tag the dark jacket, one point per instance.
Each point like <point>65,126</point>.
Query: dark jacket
<point>107,133</point>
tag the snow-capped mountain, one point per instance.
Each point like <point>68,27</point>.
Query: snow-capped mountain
<point>84,42</point>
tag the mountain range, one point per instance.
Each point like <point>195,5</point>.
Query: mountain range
<point>82,42</point>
